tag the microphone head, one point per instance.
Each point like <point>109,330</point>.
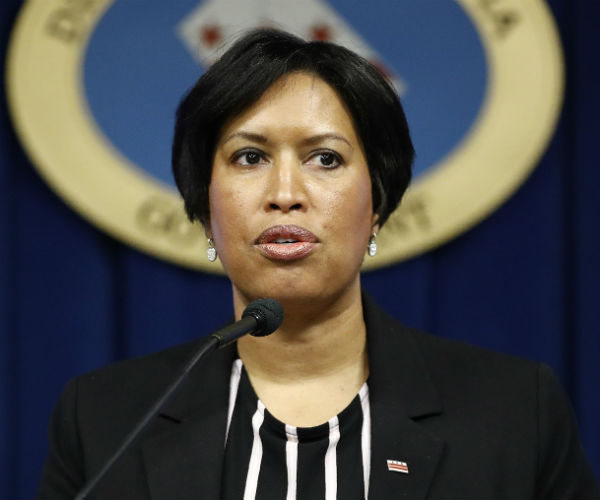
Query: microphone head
<point>268,314</point>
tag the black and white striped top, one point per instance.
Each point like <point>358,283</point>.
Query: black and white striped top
<point>265,458</point>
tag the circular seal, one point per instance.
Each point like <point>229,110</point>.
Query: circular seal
<point>92,85</point>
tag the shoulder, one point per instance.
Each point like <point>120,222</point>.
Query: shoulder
<point>108,399</point>
<point>443,358</point>
<point>466,379</point>
<point>132,375</point>
<point>124,389</point>
<point>465,362</point>
<point>520,409</point>
<point>494,411</point>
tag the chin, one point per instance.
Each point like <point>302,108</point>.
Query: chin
<point>299,291</point>
<point>305,282</point>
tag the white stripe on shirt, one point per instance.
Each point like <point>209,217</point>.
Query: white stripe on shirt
<point>331,460</point>
<point>291,459</point>
<point>365,436</point>
<point>256,454</point>
<point>234,383</point>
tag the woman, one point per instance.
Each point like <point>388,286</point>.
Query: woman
<point>293,155</point>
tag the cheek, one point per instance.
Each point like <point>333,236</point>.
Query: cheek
<point>222,202</point>
<point>232,205</point>
<point>350,211</point>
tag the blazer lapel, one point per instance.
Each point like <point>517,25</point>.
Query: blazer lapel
<point>401,393</point>
<point>185,458</point>
<point>401,439</point>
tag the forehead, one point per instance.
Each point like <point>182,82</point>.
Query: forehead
<point>296,102</point>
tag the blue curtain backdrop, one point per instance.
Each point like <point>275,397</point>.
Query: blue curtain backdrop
<point>525,281</point>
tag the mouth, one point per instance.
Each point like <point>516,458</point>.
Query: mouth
<point>286,242</point>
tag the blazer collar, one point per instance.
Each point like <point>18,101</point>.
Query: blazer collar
<point>185,461</point>
<point>401,394</point>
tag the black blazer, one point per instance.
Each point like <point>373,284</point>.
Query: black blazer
<point>469,423</point>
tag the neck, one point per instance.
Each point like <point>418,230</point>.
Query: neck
<point>326,338</point>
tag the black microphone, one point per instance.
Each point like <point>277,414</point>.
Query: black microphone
<point>261,318</point>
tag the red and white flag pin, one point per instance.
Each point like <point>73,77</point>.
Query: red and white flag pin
<point>397,466</point>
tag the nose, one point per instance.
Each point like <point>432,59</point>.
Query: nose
<point>286,190</point>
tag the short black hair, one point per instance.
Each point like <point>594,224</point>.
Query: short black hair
<point>242,75</point>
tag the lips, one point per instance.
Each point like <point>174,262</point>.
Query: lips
<point>286,242</point>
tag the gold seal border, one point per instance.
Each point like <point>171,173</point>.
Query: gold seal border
<point>47,103</point>
<point>516,121</point>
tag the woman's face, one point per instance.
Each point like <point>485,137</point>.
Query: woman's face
<point>290,195</point>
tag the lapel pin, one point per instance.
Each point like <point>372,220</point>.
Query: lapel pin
<point>397,466</point>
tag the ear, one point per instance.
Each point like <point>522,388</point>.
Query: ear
<point>375,224</point>
<point>207,230</point>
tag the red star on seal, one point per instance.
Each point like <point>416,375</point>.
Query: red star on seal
<point>211,35</point>
<point>320,32</point>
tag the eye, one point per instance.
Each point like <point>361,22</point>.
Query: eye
<point>326,159</point>
<point>248,157</point>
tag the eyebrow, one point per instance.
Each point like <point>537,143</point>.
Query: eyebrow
<point>320,137</point>
<point>261,139</point>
